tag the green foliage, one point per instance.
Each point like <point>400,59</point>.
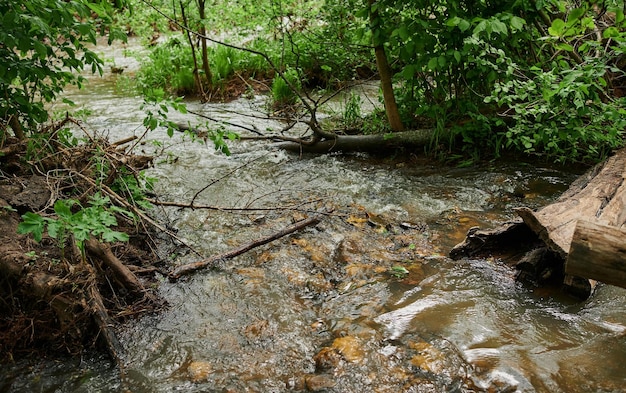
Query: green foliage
<point>169,67</point>
<point>459,63</point>
<point>376,123</point>
<point>44,48</point>
<point>283,88</point>
<point>95,220</point>
<point>219,136</point>
<point>398,272</point>
<point>224,59</point>
<point>559,112</point>
<point>352,116</point>
<point>157,101</point>
<point>134,187</point>
<point>532,76</point>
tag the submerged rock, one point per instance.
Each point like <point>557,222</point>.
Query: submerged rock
<point>199,371</point>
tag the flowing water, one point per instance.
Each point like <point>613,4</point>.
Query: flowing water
<point>365,301</point>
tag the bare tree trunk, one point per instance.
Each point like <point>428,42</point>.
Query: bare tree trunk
<point>17,127</point>
<point>384,70</point>
<point>205,57</point>
<point>196,76</point>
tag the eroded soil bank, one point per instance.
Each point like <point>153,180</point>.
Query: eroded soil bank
<point>62,293</point>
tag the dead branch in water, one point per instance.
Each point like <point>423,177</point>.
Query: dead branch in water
<point>120,271</point>
<point>205,263</point>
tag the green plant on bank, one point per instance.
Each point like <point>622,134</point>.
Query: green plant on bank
<point>95,221</point>
<point>376,123</point>
<point>168,67</point>
<point>224,63</point>
<point>352,117</point>
<point>559,113</point>
<point>565,110</point>
<point>284,88</point>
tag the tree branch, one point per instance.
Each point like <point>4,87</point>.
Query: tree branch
<point>205,263</point>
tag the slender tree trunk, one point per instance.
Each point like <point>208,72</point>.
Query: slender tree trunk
<point>384,70</point>
<point>17,127</point>
<point>205,57</point>
<point>196,76</point>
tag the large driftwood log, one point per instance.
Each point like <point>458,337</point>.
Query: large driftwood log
<point>598,197</point>
<point>598,252</point>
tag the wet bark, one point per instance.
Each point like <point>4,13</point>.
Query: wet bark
<point>121,273</point>
<point>598,252</point>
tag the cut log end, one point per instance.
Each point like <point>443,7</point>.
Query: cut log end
<point>598,252</point>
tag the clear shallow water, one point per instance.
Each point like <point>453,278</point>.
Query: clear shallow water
<point>319,309</point>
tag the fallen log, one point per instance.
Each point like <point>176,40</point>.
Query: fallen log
<point>598,197</point>
<point>205,263</point>
<point>598,252</point>
<point>363,143</point>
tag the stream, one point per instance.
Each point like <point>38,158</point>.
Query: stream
<point>365,301</point>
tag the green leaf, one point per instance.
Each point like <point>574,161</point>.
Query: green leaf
<point>611,32</point>
<point>558,28</point>
<point>10,20</point>
<point>480,27</point>
<point>432,63</point>
<point>114,236</point>
<point>453,21</point>
<point>457,56</point>
<point>464,25</point>
<point>62,208</point>
<point>499,27</point>
<point>40,49</point>
<point>403,32</point>
<point>564,46</point>
<point>97,8</point>
<point>575,15</point>
<point>32,223</point>
<point>517,23</point>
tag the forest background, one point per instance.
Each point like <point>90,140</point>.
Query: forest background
<point>539,77</point>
